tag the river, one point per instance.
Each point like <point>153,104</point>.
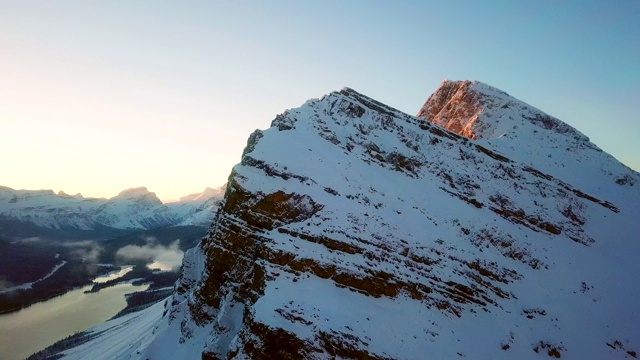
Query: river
<point>32,329</point>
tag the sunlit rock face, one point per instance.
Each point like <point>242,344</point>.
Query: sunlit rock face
<point>459,106</point>
<point>352,230</point>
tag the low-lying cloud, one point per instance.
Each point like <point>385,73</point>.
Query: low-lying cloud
<point>30,240</point>
<point>170,256</point>
<point>87,250</point>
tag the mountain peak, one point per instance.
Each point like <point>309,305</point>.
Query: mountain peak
<point>138,193</point>
<point>479,111</point>
<point>141,190</point>
<point>524,133</point>
<point>65,195</point>
<point>207,194</point>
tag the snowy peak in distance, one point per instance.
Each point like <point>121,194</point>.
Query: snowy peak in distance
<point>207,194</point>
<point>138,193</point>
<point>526,134</point>
<point>65,195</point>
<point>7,193</point>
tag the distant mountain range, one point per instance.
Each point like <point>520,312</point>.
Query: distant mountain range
<point>135,208</point>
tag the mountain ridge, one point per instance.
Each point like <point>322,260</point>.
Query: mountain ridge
<point>352,230</point>
<point>134,208</point>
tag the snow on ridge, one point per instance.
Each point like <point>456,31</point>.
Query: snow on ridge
<point>137,193</point>
<point>208,193</point>
<point>7,193</point>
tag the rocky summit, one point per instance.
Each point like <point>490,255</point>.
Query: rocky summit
<point>353,230</point>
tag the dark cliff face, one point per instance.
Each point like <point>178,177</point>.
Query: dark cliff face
<point>350,229</point>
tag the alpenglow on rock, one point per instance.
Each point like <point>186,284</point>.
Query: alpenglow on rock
<point>353,230</point>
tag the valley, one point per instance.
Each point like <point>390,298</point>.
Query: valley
<point>91,281</point>
<point>78,262</point>
<point>59,277</point>
<point>82,238</point>
<point>26,331</point>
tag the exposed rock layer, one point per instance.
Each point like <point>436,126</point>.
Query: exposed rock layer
<point>350,197</point>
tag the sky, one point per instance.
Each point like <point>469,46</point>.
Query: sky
<point>100,96</point>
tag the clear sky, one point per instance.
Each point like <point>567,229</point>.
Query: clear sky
<point>100,96</point>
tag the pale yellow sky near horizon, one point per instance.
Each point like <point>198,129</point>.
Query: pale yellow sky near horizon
<point>98,97</point>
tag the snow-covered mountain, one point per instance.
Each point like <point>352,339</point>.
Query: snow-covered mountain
<point>136,208</point>
<point>353,230</point>
<point>198,209</point>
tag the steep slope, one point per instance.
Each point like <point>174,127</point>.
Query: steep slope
<point>352,230</point>
<point>135,208</point>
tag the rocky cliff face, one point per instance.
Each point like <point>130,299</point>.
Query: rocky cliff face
<point>352,230</point>
<point>473,109</point>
